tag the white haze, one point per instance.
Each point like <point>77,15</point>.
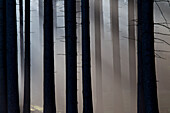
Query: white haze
<point>162,65</point>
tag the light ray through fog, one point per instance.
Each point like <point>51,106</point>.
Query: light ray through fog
<point>162,66</point>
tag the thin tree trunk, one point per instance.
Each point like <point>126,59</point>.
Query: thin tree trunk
<point>97,22</point>
<point>41,40</point>
<point>26,108</point>
<point>148,58</point>
<point>140,98</point>
<point>79,56</point>
<point>118,96</point>
<point>11,52</point>
<point>3,77</point>
<point>22,53</point>
<point>21,34</point>
<point>86,62</point>
<point>132,56</point>
<point>55,63</point>
<point>71,56</point>
<point>49,87</point>
<point>41,12</point>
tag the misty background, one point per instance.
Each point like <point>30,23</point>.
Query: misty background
<point>162,57</point>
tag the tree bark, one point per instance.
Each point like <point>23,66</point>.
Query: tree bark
<point>71,56</point>
<point>140,98</point>
<point>86,62</point>
<point>26,108</point>
<point>3,77</point>
<point>49,87</point>
<point>11,52</point>
<point>148,58</point>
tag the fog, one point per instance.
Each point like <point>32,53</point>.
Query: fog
<point>161,48</point>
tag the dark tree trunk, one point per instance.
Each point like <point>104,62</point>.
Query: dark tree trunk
<point>3,77</point>
<point>71,56</point>
<point>86,63</point>
<point>140,98</point>
<point>26,108</point>
<point>49,87</point>
<point>132,56</point>
<point>118,96</point>
<point>148,58</point>
<point>21,33</point>
<point>11,52</point>
<point>98,60</point>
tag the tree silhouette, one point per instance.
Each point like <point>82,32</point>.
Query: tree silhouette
<point>71,56</point>
<point>49,88</point>
<point>3,77</point>
<point>11,52</point>
<point>140,95</point>
<point>26,106</point>
<point>86,63</point>
<point>148,58</point>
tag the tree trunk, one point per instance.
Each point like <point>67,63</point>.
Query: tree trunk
<point>21,54</point>
<point>54,38</point>
<point>49,87</point>
<point>71,56</point>
<point>21,34</point>
<point>98,60</point>
<point>41,15</point>
<point>140,98</point>
<point>148,58</point>
<point>3,77</point>
<point>132,56</point>
<point>26,108</point>
<point>79,57</point>
<point>86,62</point>
<point>11,52</point>
<point>40,46</point>
<point>118,96</point>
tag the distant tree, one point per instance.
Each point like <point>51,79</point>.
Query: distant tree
<point>118,96</point>
<point>49,88</point>
<point>26,106</point>
<point>3,77</point>
<point>98,60</point>
<point>21,50</point>
<point>11,58</point>
<point>79,56</point>
<point>86,63</point>
<point>54,17</point>
<point>41,15</point>
<point>71,56</point>
<point>54,40</point>
<point>132,55</point>
<point>148,58</point>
